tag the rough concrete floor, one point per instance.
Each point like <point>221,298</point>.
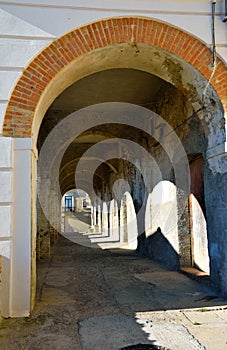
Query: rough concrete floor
<point>90,299</point>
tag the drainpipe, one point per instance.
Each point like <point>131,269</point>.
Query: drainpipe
<point>225,18</point>
<point>214,60</point>
<point>213,33</point>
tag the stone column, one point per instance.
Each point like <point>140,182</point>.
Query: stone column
<point>105,228</point>
<point>54,218</point>
<point>43,216</point>
<point>184,236</point>
<point>98,226</point>
<point>92,217</point>
<point>6,219</point>
<point>132,224</point>
<point>215,186</point>
<point>43,236</point>
<point>57,214</point>
<point>114,221</point>
<point>123,221</point>
<point>94,214</point>
<point>24,229</point>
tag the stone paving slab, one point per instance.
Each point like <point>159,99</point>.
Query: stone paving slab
<point>115,332</point>
<point>212,333</point>
<point>213,336</point>
<point>204,316</point>
<point>209,326</point>
<point>88,299</point>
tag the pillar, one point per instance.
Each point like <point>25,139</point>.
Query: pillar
<point>123,221</point>
<point>43,216</point>
<point>184,234</point>
<point>105,228</point>
<point>43,236</point>
<point>6,218</point>
<point>18,232</point>
<point>215,186</point>
<point>54,216</point>
<point>114,221</point>
<point>93,219</point>
<point>24,232</point>
<point>98,226</point>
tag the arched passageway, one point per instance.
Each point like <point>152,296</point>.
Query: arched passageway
<point>146,113</point>
<point>75,206</point>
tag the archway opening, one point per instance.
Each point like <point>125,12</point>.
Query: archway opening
<point>76,211</point>
<point>175,110</point>
<point>177,82</point>
<point>142,175</point>
<point>162,225</point>
<point>198,222</point>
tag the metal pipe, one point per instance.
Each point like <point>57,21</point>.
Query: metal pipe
<point>225,18</point>
<point>213,33</point>
<point>214,63</point>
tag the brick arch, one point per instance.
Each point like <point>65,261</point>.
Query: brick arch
<point>60,53</point>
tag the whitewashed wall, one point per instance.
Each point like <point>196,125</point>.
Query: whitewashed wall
<point>27,26</point>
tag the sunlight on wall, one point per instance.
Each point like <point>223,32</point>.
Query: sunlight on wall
<point>161,212</point>
<point>128,224</point>
<point>114,221</point>
<point>200,256</point>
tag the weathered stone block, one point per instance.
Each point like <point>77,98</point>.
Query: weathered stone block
<point>2,114</point>
<point>5,219</point>
<point>6,152</point>
<point>5,186</point>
